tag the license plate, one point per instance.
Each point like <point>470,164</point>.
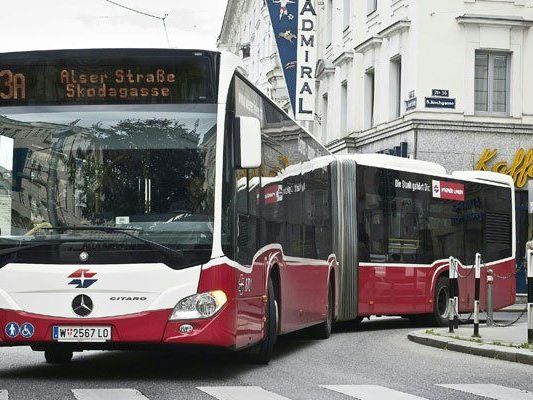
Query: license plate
<point>81,333</point>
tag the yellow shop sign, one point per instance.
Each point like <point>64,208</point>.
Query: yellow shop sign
<point>520,169</point>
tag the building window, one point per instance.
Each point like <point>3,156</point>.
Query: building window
<point>396,87</point>
<point>245,50</point>
<point>347,13</point>
<point>344,108</point>
<point>492,83</point>
<point>372,6</point>
<point>369,98</point>
<point>324,119</point>
<point>329,29</point>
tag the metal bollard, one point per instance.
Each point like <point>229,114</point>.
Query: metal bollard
<point>451,303</point>
<point>477,267</point>
<point>456,293</point>
<point>450,315</point>
<point>529,260</point>
<point>490,311</point>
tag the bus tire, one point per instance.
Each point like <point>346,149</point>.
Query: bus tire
<point>58,356</point>
<point>441,296</point>
<point>356,323</point>
<point>323,330</point>
<point>262,352</point>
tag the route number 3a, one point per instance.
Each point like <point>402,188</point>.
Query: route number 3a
<point>12,86</point>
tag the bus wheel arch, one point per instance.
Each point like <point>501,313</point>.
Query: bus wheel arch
<point>332,285</point>
<point>274,275</point>
<point>262,351</point>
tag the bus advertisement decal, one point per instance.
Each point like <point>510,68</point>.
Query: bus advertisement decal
<point>449,190</point>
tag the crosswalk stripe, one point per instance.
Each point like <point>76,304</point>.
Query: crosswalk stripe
<point>107,394</point>
<point>3,395</point>
<point>240,393</point>
<point>371,392</point>
<point>492,391</point>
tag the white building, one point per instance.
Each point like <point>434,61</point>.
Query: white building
<point>378,56</point>
<point>247,32</point>
<point>449,81</point>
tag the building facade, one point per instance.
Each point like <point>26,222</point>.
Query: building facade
<point>247,32</point>
<point>443,81</point>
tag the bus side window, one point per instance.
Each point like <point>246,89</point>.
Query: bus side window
<point>316,214</point>
<point>373,211</point>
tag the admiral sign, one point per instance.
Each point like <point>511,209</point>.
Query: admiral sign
<point>307,54</point>
<point>294,25</point>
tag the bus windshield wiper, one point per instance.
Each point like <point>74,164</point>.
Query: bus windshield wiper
<point>12,250</point>
<point>124,231</point>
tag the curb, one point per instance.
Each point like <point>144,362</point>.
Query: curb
<point>522,356</point>
<point>513,309</point>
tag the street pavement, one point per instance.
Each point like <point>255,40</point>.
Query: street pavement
<point>377,362</point>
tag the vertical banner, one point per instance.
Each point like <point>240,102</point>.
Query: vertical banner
<point>284,17</point>
<point>307,54</point>
<point>294,25</point>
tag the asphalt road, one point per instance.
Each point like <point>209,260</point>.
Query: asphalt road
<point>378,354</point>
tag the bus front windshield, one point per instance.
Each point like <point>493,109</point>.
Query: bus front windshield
<point>147,170</point>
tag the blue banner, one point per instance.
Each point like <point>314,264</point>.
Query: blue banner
<point>284,17</point>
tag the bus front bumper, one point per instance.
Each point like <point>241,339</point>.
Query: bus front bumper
<point>146,328</point>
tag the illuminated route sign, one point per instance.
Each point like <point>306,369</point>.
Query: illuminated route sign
<point>101,77</point>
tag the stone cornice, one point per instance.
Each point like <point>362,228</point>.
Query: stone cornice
<point>324,67</point>
<point>397,27</point>
<point>474,19</point>
<point>374,41</point>
<point>343,57</point>
<point>368,44</point>
<point>358,139</point>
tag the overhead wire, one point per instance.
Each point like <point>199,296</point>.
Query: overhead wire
<point>162,19</point>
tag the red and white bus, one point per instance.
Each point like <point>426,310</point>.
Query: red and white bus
<point>390,226</point>
<point>122,218</point>
<point>155,197</point>
<point>410,218</point>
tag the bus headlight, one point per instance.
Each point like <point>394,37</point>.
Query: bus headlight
<point>199,306</point>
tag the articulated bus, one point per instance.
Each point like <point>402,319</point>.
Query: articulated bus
<point>155,197</point>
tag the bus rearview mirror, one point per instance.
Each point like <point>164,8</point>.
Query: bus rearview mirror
<point>247,142</point>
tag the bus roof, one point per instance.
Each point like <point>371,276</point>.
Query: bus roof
<point>485,176</point>
<point>399,163</point>
<point>107,50</point>
<point>427,167</point>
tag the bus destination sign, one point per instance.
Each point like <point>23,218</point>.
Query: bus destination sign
<point>97,83</point>
<point>121,83</point>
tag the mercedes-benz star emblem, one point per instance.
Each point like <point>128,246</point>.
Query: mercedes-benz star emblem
<point>84,256</point>
<point>82,305</point>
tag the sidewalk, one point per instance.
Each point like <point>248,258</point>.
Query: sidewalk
<point>508,343</point>
<point>519,306</point>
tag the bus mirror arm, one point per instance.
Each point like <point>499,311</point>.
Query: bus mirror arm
<point>247,143</point>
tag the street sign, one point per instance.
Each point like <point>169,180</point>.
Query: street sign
<point>440,93</point>
<point>439,102</point>
<point>410,104</point>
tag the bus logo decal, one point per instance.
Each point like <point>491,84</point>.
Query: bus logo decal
<point>82,279</point>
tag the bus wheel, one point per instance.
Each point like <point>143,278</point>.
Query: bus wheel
<point>323,331</point>
<point>440,302</point>
<point>58,356</point>
<point>262,352</point>
<point>356,323</point>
